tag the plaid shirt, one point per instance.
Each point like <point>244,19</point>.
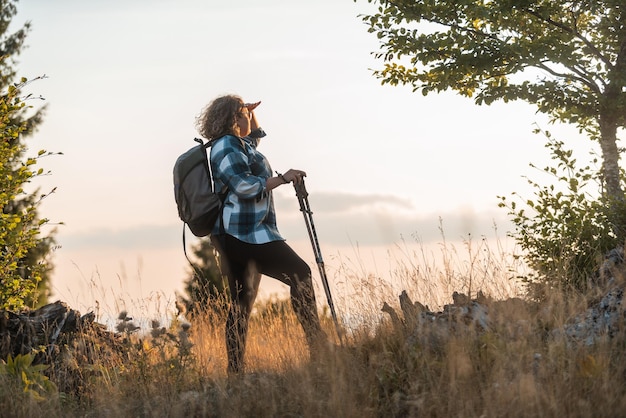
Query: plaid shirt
<point>249,213</point>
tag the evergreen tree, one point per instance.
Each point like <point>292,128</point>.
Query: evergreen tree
<point>25,269</point>
<point>205,286</point>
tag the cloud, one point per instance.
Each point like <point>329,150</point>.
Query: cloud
<point>376,219</point>
<point>340,202</point>
<point>338,218</point>
<point>139,237</point>
<point>384,227</point>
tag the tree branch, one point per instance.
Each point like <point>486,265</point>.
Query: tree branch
<point>580,77</point>
<point>572,31</point>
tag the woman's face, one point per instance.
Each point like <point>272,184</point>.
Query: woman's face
<point>243,121</point>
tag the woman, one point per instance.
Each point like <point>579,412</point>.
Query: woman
<point>247,237</point>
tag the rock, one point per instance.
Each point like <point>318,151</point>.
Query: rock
<point>420,323</point>
<point>604,318</point>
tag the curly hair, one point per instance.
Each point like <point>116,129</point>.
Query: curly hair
<point>218,118</point>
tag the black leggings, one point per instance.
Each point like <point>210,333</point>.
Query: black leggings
<point>243,264</point>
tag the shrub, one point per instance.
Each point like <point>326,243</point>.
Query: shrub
<point>564,233</point>
<point>19,229</point>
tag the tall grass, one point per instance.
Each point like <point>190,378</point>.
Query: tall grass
<point>519,367</point>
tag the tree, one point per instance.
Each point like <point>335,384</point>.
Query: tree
<point>567,58</point>
<point>24,268</point>
<point>205,287</point>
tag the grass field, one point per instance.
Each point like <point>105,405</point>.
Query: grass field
<point>518,368</point>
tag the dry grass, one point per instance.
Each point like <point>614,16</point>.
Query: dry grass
<point>519,368</point>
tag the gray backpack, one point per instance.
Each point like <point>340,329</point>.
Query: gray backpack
<point>199,205</point>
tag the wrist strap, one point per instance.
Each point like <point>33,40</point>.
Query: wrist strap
<point>282,177</point>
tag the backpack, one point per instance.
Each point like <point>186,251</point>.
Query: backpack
<point>198,204</point>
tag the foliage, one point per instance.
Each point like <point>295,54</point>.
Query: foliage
<point>37,256</point>
<point>564,233</point>
<point>567,58</point>
<point>25,269</point>
<point>162,358</point>
<point>28,376</point>
<point>19,230</point>
<point>11,44</point>
<point>173,347</point>
<point>476,47</point>
<point>205,287</point>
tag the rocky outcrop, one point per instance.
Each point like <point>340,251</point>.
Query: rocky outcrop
<point>604,317</point>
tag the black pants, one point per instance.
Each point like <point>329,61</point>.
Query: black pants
<point>243,264</point>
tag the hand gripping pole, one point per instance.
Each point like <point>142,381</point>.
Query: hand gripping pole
<point>303,199</point>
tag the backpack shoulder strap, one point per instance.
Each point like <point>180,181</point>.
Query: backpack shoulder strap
<point>210,174</point>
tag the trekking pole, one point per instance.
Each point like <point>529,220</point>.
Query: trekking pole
<point>303,199</point>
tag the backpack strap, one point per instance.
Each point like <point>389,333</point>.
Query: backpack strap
<point>193,266</point>
<point>206,145</point>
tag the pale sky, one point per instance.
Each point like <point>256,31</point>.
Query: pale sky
<point>126,79</point>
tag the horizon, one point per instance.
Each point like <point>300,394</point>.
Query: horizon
<point>384,165</point>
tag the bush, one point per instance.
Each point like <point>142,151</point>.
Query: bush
<point>19,230</point>
<point>564,233</point>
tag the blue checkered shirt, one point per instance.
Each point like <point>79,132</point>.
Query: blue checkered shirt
<point>249,213</point>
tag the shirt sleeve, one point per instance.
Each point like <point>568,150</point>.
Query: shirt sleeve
<point>233,169</point>
<point>258,133</point>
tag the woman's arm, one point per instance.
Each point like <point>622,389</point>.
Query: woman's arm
<point>273,182</point>
<point>256,132</point>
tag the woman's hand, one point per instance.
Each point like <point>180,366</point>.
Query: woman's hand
<point>251,106</point>
<point>254,124</point>
<point>291,176</point>
<point>294,176</point>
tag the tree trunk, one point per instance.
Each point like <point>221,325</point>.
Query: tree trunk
<point>610,118</point>
<point>610,156</point>
<point>26,332</point>
<point>611,172</point>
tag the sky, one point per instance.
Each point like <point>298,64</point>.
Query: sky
<point>386,167</point>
